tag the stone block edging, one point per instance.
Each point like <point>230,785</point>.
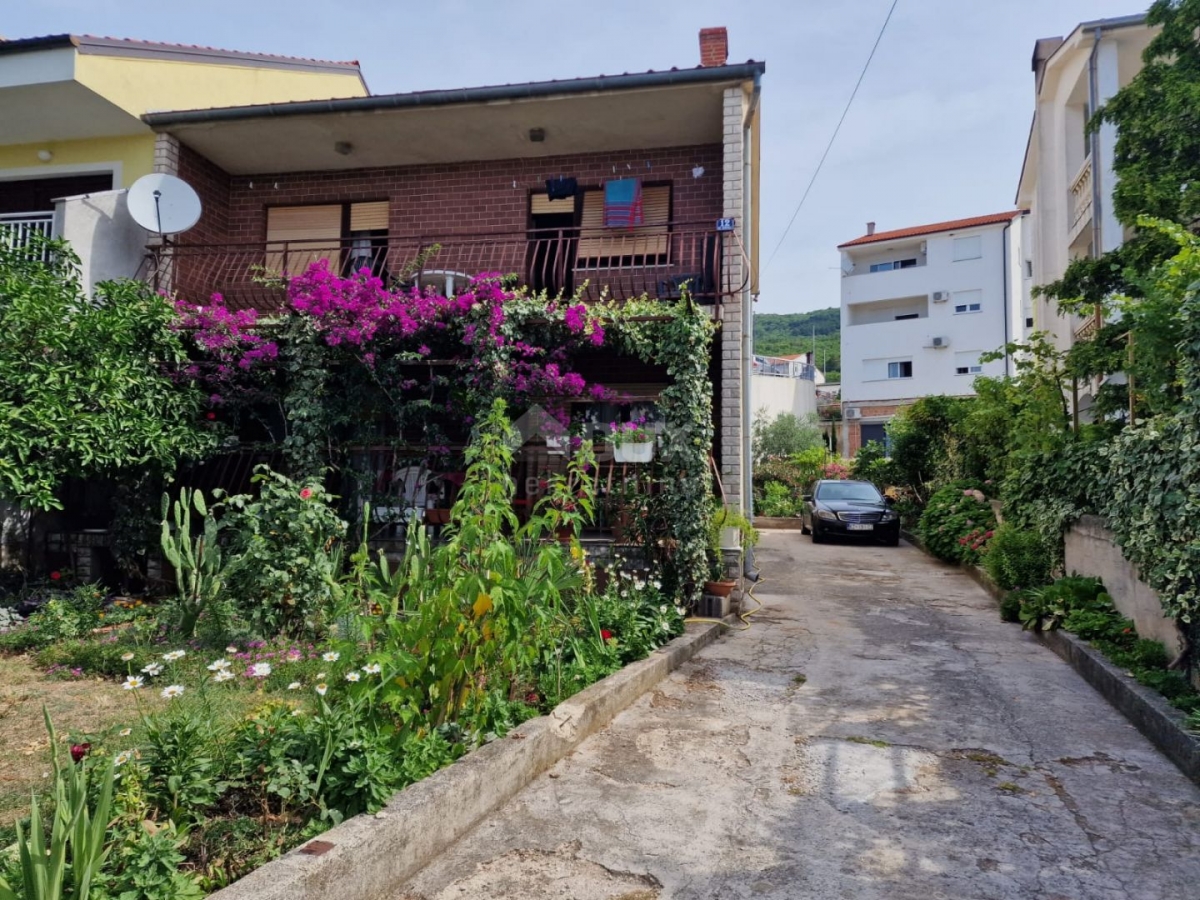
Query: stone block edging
<point>784,523</point>
<point>369,857</point>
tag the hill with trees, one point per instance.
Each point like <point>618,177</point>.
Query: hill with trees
<point>789,333</point>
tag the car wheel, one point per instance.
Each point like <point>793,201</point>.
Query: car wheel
<point>893,541</point>
<point>817,537</point>
<point>804,529</point>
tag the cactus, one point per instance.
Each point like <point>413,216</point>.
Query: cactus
<point>196,561</point>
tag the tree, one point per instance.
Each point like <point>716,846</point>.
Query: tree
<point>86,386</point>
<point>784,435</point>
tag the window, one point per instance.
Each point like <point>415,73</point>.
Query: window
<point>901,318</point>
<point>348,235</point>
<point>968,248</point>
<point>644,245</point>
<point>963,308</point>
<point>894,264</point>
<point>901,369</point>
<point>1029,321</point>
<point>966,302</point>
<point>1029,268</point>
<point>967,363</point>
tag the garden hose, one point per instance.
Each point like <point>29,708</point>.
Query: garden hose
<point>744,616</point>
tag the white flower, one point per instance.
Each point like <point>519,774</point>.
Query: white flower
<point>657,584</point>
<point>231,649</point>
<point>294,686</point>
<point>125,732</point>
<point>153,669</point>
<point>665,626</point>
<point>322,688</point>
<point>320,676</point>
<point>171,691</point>
<point>174,655</point>
<point>123,757</point>
<point>331,656</point>
<point>352,676</point>
<point>372,668</point>
<point>680,611</point>
<point>218,665</point>
<point>133,682</point>
<point>223,675</point>
<point>126,657</point>
<point>663,609</point>
<point>297,712</point>
<point>260,670</point>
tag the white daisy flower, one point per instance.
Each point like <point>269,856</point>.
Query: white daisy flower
<point>152,669</point>
<point>123,757</point>
<point>174,655</point>
<point>125,732</point>
<point>657,584</point>
<point>171,691</point>
<point>331,656</point>
<point>231,649</point>
<point>663,609</point>
<point>223,675</point>
<point>294,686</point>
<point>260,670</point>
<point>126,657</point>
<point>133,682</point>
<point>665,626</point>
<point>297,712</point>
<point>321,689</point>
<point>218,665</point>
<point>352,676</point>
<point>680,611</point>
<point>372,668</point>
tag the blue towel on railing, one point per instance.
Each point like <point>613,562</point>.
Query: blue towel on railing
<point>623,203</point>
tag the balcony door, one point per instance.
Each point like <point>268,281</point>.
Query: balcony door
<point>550,255</point>
<point>349,236</point>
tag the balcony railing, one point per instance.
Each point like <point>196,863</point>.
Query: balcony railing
<point>1081,198</point>
<point>658,261</point>
<point>1089,326</point>
<point>18,229</point>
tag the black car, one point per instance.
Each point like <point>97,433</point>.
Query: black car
<point>849,509</point>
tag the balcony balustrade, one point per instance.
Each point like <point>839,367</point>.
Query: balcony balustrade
<point>18,230</point>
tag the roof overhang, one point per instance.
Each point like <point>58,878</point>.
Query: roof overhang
<point>623,112</point>
<point>40,100</point>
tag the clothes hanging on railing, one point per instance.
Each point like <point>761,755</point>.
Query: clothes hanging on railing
<point>560,188</point>
<point>623,203</point>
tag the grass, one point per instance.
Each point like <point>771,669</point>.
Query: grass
<point>873,742</point>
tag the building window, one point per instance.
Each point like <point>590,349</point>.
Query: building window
<point>965,308</point>
<point>900,369</point>
<point>1029,268</point>
<point>348,236</point>
<point>968,248</point>
<point>967,363</point>
<point>1029,321</point>
<point>609,248</point>
<point>894,264</point>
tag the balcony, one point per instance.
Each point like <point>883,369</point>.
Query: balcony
<point>1080,203</point>
<point>658,261</point>
<point>17,230</point>
<point>1087,329</point>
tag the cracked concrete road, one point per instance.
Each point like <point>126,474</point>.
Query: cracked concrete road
<point>878,733</point>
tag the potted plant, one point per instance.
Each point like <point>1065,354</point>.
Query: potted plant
<point>728,530</point>
<point>632,441</point>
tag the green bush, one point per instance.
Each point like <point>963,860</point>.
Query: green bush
<point>1017,558</point>
<point>872,464</point>
<point>785,435</point>
<point>957,523</point>
<point>778,500</point>
<point>1010,608</point>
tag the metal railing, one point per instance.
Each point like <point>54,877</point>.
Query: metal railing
<point>657,261</point>
<point>1081,197</point>
<point>18,230</point>
<point>1087,329</point>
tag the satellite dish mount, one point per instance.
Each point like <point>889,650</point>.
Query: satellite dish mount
<point>164,204</point>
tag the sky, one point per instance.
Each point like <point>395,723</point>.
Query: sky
<point>937,131</point>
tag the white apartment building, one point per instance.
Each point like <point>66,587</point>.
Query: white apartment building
<point>919,307</point>
<point>1067,179</point>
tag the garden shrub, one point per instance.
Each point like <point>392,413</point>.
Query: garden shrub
<point>872,464</point>
<point>1017,558</point>
<point>1010,608</point>
<point>784,435</point>
<point>957,523</point>
<point>777,500</point>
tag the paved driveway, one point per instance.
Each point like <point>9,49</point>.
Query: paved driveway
<point>878,733</point>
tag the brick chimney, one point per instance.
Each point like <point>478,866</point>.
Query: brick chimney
<point>714,46</point>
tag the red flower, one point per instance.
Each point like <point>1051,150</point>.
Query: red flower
<point>605,634</point>
<point>531,697</point>
<point>210,415</point>
<point>79,751</point>
<point>55,576</point>
<point>305,493</point>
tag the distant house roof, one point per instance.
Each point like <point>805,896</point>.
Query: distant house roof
<point>918,230</point>
<point>129,47</point>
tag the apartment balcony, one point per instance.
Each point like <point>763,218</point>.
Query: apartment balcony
<point>19,230</point>
<point>658,261</point>
<point>1087,329</point>
<point>1080,201</point>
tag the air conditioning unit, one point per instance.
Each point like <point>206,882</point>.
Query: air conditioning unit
<point>941,296</point>
<point>938,342</point>
<point>853,412</point>
<point>924,247</point>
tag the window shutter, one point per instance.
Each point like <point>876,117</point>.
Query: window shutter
<point>369,216</point>
<point>648,240</point>
<point>542,205</point>
<point>311,233</point>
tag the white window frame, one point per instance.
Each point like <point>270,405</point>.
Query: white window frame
<point>893,264</point>
<point>966,309</point>
<point>898,364</point>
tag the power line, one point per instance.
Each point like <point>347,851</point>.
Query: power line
<point>833,137</point>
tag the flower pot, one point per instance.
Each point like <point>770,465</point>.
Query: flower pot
<point>634,453</point>
<point>719,588</point>
<point>435,516</point>
<point>564,533</point>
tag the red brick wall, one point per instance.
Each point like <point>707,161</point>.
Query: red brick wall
<point>449,198</point>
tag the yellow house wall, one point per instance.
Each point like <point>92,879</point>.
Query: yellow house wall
<point>152,85</point>
<point>133,154</point>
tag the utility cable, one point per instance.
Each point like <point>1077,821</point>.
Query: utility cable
<point>833,137</point>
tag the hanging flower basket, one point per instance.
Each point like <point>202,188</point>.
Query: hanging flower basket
<point>641,452</point>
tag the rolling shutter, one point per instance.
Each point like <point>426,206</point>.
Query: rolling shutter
<point>612,244</point>
<point>312,233</point>
<point>542,205</point>
<point>369,216</point>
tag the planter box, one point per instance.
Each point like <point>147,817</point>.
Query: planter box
<point>634,453</point>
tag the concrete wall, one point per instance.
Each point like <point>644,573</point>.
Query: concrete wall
<point>1091,550</point>
<point>782,395</point>
<point>99,228</point>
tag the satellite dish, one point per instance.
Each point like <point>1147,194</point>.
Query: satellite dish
<point>163,204</point>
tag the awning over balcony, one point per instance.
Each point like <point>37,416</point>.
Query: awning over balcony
<point>675,108</point>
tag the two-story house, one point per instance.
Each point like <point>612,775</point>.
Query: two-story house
<point>71,108</point>
<point>919,307</point>
<point>444,185</point>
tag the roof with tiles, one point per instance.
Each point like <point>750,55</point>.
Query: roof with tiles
<point>919,230</point>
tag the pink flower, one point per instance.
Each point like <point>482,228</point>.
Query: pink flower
<point>305,493</point>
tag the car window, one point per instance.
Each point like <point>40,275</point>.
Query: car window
<point>848,491</point>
